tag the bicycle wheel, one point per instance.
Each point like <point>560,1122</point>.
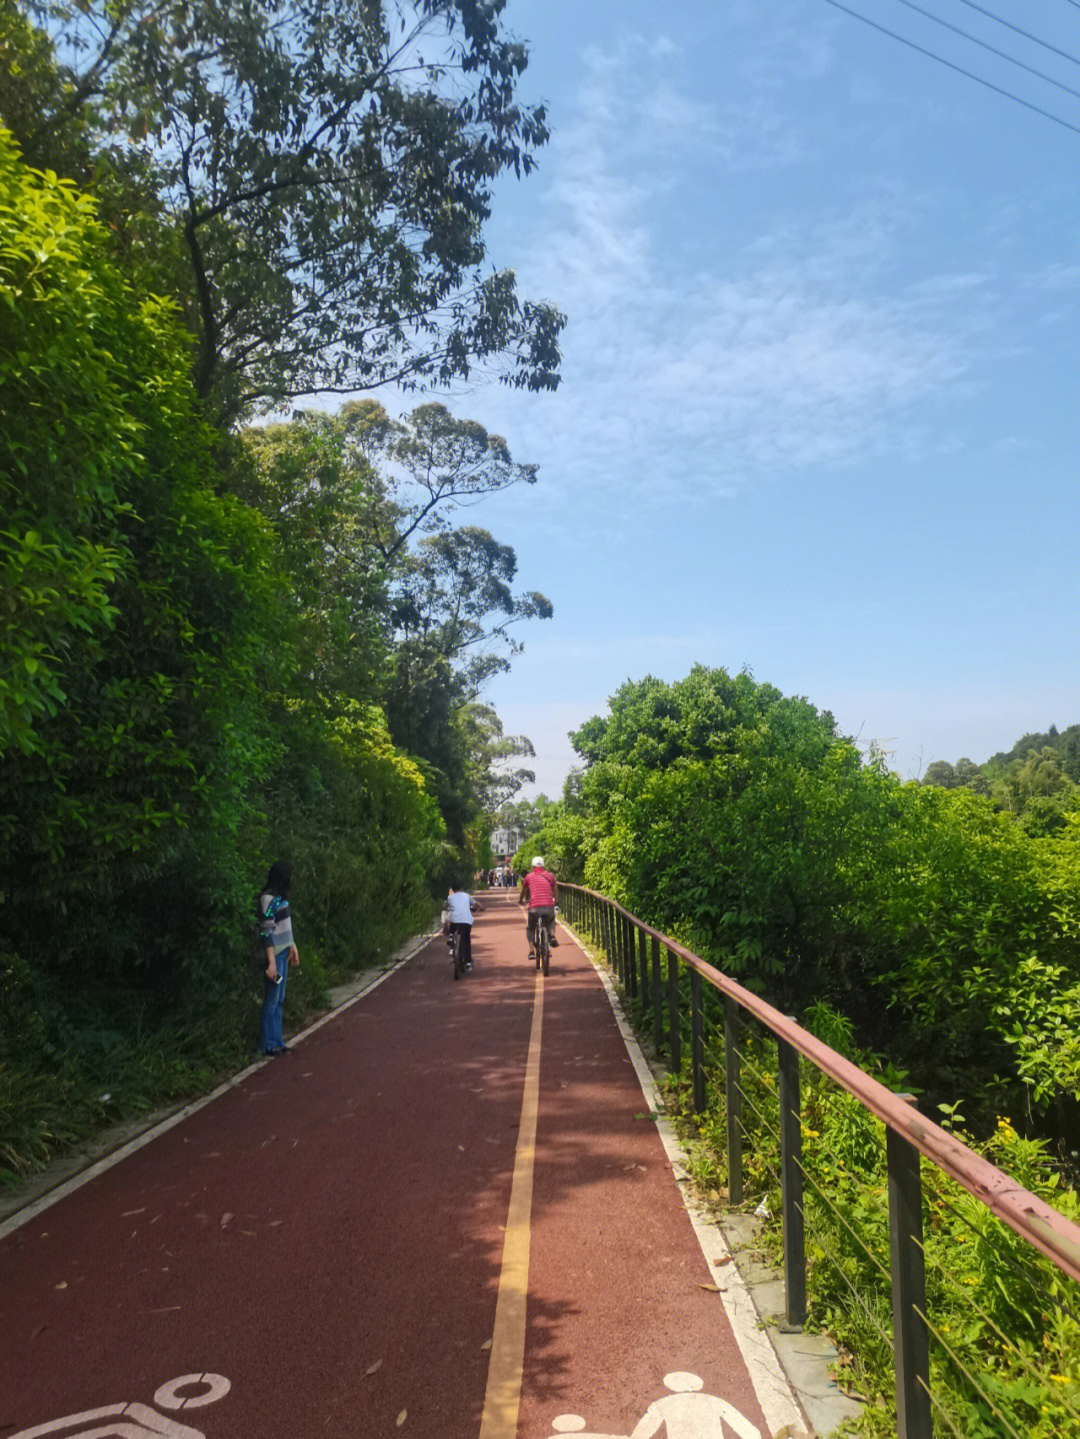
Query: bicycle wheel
<point>542,946</point>
<point>455,969</point>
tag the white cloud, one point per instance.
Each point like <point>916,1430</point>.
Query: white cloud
<point>668,109</point>
<point>809,346</point>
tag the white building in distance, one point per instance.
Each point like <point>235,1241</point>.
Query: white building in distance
<point>507,840</point>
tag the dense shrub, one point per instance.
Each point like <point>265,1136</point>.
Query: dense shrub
<point>738,820</point>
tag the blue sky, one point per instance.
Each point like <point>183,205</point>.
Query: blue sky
<point>819,406</point>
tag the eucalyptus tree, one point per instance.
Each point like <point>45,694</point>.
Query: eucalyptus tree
<point>328,171</point>
<point>427,465</point>
<point>454,599</point>
<point>453,608</point>
<point>363,505</point>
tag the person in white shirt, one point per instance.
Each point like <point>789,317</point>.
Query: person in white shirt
<point>458,911</point>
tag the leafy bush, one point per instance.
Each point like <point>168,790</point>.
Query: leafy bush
<point>153,762</point>
<point>1004,1322</point>
<point>737,820</point>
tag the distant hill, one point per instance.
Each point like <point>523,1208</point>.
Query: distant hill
<point>1065,743</point>
<point>1037,779</point>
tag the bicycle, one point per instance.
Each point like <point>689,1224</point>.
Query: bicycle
<point>452,946</point>
<point>543,943</point>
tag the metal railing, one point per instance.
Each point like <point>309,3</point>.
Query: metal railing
<point>651,968</point>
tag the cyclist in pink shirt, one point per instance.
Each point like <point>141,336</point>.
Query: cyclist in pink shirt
<point>540,892</point>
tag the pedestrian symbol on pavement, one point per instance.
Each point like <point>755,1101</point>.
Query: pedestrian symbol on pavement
<point>683,1413</point>
<point>138,1421</point>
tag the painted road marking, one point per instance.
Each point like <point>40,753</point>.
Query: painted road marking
<point>503,1394</point>
<point>684,1413</point>
<point>136,1421</point>
<point>215,1385</point>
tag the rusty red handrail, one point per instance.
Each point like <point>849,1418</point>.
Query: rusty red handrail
<point>1045,1228</point>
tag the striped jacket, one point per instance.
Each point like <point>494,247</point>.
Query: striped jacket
<point>275,922</point>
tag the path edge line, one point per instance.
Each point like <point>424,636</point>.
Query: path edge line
<point>775,1393</point>
<point>34,1207</point>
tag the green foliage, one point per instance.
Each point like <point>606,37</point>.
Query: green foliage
<point>328,172</point>
<point>1005,1324</point>
<point>321,499</point>
<point>927,923</point>
<point>34,106</point>
<point>67,1069</point>
<point>377,620</point>
<point>1036,780</point>
<point>69,433</point>
<point>199,643</point>
<point>421,467</point>
<point>139,594</point>
<point>365,833</point>
<point>945,929</point>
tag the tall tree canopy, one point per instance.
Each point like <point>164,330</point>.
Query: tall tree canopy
<point>416,624</point>
<point>328,170</point>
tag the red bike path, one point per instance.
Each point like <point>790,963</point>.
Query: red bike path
<point>319,1251</point>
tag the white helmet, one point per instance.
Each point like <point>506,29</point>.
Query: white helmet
<point>538,862</point>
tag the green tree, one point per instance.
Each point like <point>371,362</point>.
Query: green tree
<point>317,498</point>
<point>362,825</point>
<point>69,436</point>
<point>496,777</point>
<point>453,600</point>
<point>139,625</point>
<point>329,171</point>
<point>350,495</point>
<point>415,626</point>
<point>425,466</point>
<point>941,773</point>
<point>1040,773</point>
<point>34,105</point>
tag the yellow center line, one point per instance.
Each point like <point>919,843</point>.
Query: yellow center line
<point>503,1393</point>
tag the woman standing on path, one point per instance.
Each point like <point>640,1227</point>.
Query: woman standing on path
<point>275,935</point>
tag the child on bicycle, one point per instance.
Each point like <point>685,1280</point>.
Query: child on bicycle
<point>458,915</point>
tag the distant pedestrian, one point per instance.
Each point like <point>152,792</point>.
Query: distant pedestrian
<point>276,938</point>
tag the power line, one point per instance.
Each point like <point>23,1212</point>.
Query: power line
<point>1010,26</point>
<point>992,48</point>
<point>1046,114</point>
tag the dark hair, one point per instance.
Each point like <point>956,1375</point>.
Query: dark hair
<point>279,880</point>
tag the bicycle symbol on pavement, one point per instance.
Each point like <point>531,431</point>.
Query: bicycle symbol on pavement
<point>683,1413</point>
<point>139,1421</point>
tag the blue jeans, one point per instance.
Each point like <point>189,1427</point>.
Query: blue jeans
<point>270,1035</point>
